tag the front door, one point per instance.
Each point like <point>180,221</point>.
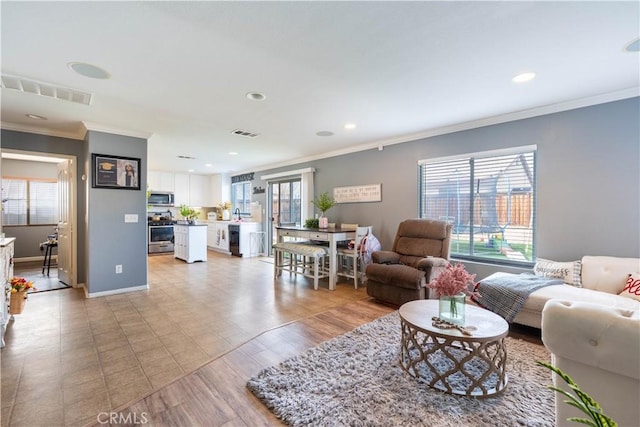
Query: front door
<point>66,233</point>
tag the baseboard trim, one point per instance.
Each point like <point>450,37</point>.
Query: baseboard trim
<point>114,292</point>
<point>33,258</point>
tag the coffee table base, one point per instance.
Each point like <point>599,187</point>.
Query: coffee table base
<point>455,365</point>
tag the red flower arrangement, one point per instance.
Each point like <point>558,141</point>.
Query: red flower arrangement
<point>20,284</point>
<point>452,281</point>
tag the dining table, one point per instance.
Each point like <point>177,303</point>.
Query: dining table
<point>331,235</point>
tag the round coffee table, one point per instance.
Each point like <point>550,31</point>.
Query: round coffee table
<point>450,361</point>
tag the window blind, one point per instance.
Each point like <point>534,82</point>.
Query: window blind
<point>29,202</point>
<point>490,202</point>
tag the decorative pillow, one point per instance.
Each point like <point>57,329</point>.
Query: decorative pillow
<point>567,271</point>
<point>632,287</point>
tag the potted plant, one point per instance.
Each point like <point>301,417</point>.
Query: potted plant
<point>324,203</point>
<point>580,400</point>
<point>224,211</point>
<point>188,214</point>
<point>311,223</point>
<point>19,288</point>
<point>184,211</point>
<point>452,287</point>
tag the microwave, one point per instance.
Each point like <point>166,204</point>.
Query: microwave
<point>161,198</point>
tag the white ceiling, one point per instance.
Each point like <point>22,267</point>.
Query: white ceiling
<point>399,70</point>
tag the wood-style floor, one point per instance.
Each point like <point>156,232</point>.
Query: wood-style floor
<point>178,354</point>
<point>215,394</point>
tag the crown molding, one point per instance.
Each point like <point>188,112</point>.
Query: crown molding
<point>97,127</point>
<point>77,134</point>
<point>474,124</point>
<point>80,133</point>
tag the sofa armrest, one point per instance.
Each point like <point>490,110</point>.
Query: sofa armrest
<point>385,257</point>
<point>604,337</point>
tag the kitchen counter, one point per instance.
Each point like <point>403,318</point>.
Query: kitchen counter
<point>209,221</point>
<point>219,237</point>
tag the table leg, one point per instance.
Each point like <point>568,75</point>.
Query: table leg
<point>49,261</point>
<point>44,262</point>
<point>333,261</point>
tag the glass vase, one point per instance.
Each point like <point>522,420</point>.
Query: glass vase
<point>451,308</point>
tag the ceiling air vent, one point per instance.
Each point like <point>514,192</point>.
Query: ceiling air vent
<point>22,84</point>
<point>244,133</point>
<point>186,157</point>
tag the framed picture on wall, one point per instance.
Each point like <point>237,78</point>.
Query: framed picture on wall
<point>115,172</point>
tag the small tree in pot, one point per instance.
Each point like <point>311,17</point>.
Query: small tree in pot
<point>324,203</point>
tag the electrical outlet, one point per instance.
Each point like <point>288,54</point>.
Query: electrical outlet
<point>130,217</point>
<point>118,268</point>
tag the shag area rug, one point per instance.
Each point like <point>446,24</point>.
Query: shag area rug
<point>356,380</point>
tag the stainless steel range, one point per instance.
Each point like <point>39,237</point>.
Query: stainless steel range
<point>160,232</point>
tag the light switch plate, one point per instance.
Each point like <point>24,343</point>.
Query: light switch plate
<point>130,217</point>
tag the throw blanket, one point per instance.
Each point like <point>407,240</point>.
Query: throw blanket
<point>505,293</point>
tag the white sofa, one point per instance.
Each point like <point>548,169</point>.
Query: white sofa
<point>598,346</point>
<point>603,278</point>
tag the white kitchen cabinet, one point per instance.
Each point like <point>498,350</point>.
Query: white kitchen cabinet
<point>200,191</point>
<point>247,230</point>
<point>190,242</point>
<point>193,190</point>
<point>160,181</point>
<point>218,236</point>
<point>181,188</point>
<point>220,188</point>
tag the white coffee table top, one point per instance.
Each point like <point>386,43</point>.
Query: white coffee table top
<point>489,326</point>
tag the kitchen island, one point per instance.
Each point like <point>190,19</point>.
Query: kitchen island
<point>190,242</point>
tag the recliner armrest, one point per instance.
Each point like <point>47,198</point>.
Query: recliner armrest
<point>385,257</point>
<point>430,262</point>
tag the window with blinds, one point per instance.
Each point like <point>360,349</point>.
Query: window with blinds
<point>489,198</point>
<point>241,196</point>
<point>29,202</point>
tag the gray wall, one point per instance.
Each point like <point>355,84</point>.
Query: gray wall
<point>588,187</point>
<point>43,144</point>
<point>110,240</point>
<point>104,240</point>
<point>588,179</point>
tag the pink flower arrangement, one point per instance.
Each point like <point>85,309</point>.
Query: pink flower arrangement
<point>452,281</point>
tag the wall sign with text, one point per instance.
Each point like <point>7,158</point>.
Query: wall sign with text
<point>358,193</point>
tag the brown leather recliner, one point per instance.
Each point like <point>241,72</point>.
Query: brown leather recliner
<point>420,249</point>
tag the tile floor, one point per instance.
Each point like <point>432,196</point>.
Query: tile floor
<point>67,357</point>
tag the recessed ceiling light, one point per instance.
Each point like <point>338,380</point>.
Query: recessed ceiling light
<point>208,165</point>
<point>324,133</point>
<point>633,46</point>
<point>88,70</point>
<point>256,96</point>
<point>36,117</point>
<point>191,170</point>
<point>524,77</point>
<point>350,126</point>
<point>233,153</point>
